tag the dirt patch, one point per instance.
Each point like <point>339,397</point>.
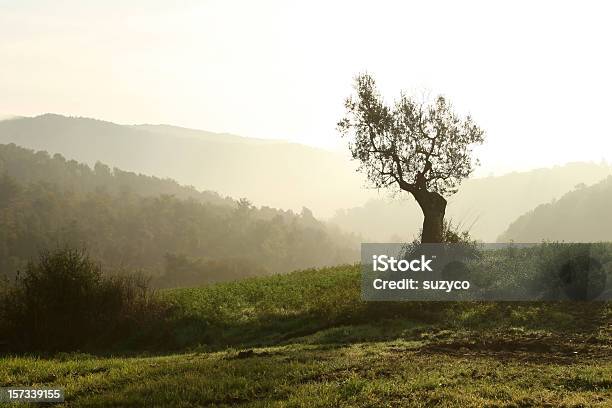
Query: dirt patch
<point>544,349</point>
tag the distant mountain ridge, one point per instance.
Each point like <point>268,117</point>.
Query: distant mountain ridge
<point>179,131</point>
<point>275,173</point>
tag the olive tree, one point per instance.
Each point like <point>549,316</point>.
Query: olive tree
<point>424,149</point>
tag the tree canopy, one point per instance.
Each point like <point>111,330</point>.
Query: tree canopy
<point>409,145</point>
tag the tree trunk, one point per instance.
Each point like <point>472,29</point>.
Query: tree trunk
<point>433,206</point>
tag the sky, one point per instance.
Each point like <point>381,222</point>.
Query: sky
<point>535,75</point>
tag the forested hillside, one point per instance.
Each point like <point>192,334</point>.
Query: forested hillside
<point>582,215</point>
<point>134,222</point>
<point>26,166</point>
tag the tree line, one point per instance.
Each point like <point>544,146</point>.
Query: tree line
<point>131,222</point>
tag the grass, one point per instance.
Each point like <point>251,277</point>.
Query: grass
<point>305,339</point>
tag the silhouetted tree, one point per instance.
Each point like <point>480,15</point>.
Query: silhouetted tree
<point>422,149</point>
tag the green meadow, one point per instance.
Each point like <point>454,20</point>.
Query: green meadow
<point>306,339</point>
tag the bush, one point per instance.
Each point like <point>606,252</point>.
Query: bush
<point>63,302</point>
<point>577,271</point>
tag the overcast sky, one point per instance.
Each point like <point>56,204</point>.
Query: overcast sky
<point>535,75</point>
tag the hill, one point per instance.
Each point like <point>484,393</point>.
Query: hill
<point>581,215</point>
<point>485,206</point>
<point>306,339</point>
<point>275,173</point>
<point>178,235</point>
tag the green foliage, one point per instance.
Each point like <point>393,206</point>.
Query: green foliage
<point>63,302</point>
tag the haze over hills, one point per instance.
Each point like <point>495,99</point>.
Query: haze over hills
<point>485,206</point>
<point>183,132</point>
<point>291,176</point>
<point>127,221</point>
<point>274,173</point>
<point>581,215</point>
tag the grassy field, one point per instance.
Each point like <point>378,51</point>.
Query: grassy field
<point>305,339</point>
